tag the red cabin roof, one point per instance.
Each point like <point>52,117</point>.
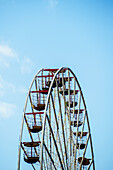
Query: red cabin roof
<point>50,69</point>
<point>34,113</point>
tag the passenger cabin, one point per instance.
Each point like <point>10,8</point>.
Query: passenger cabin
<point>31,160</point>
<point>31,155</point>
<point>35,129</point>
<point>38,106</point>
<point>84,162</point>
<point>35,124</point>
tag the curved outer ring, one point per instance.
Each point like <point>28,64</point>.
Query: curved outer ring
<point>46,106</point>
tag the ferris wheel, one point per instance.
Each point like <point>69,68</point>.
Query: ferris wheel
<point>55,131</point>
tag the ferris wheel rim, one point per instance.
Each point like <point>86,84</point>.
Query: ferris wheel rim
<point>45,111</point>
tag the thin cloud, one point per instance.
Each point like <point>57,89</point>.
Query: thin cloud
<point>6,86</point>
<point>7,110</point>
<point>7,51</point>
<point>23,90</point>
<point>4,62</point>
<point>52,3</point>
<point>1,82</point>
<point>1,86</point>
<point>7,54</point>
<point>26,65</point>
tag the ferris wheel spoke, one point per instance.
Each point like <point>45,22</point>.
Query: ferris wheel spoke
<point>54,141</point>
<point>45,153</point>
<point>49,155</point>
<point>65,121</point>
<point>33,166</point>
<point>63,92</point>
<point>90,165</point>
<point>45,161</point>
<point>60,111</point>
<point>57,128</point>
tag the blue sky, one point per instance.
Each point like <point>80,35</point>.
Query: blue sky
<point>54,33</point>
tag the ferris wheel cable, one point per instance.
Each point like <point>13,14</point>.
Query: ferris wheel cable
<point>64,111</point>
<point>54,141</point>
<point>54,147</point>
<point>49,155</point>
<point>46,162</point>
<point>63,92</point>
<point>90,164</point>
<point>45,152</point>
<point>57,127</point>
<point>62,122</point>
<point>33,166</point>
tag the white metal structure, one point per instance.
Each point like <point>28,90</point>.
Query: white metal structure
<point>56,134</point>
